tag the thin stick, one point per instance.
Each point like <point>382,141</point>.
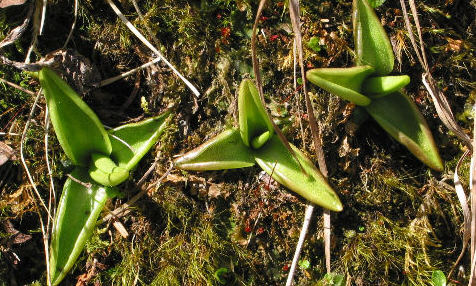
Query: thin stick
<point>18,87</point>
<point>466,212</point>
<point>259,84</point>
<point>52,193</point>
<point>294,15</point>
<point>32,182</point>
<point>43,16</point>
<point>126,74</point>
<point>73,25</point>
<point>302,237</point>
<point>36,31</point>
<point>9,134</point>
<point>141,17</point>
<point>473,207</point>
<point>446,116</point>
<point>151,47</point>
<point>22,155</point>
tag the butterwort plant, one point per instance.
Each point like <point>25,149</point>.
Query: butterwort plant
<point>103,159</point>
<point>256,142</point>
<point>369,85</point>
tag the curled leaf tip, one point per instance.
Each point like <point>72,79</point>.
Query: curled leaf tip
<point>253,118</point>
<point>380,86</point>
<point>343,82</point>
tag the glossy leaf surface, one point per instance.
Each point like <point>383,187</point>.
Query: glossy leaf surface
<point>225,151</point>
<point>77,127</point>
<point>372,45</point>
<point>275,159</point>
<point>132,141</point>
<point>343,82</point>
<point>401,119</point>
<point>380,86</point>
<point>106,172</point>
<point>255,126</point>
<point>78,211</point>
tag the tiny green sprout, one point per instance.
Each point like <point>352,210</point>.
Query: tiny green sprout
<point>103,160</point>
<point>438,278</point>
<point>369,85</point>
<point>224,276</point>
<point>314,44</point>
<point>256,142</point>
<point>304,264</point>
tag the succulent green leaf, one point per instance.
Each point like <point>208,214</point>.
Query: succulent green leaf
<point>275,159</point>
<point>132,141</point>
<point>401,119</point>
<point>253,118</point>
<point>225,151</point>
<point>372,45</point>
<point>380,86</point>
<point>106,172</point>
<point>343,82</point>
<point>77,127</point>
<point>78,210</point>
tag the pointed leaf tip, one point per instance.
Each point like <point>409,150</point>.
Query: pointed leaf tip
<point>76,217</point>
<point>275,159</point>
<point>77,127</point>
<point>130,142</point>
<point>225,151</point>
<point>401,119</point>
<point>372,45</point>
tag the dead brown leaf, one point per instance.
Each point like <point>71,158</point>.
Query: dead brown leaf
<point>8,3</point>
<point>6,153</point>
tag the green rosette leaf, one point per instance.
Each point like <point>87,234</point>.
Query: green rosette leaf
<point>131,142</point>
<point>78,210</point>
<point>255,125</point>
<point>275,159</point>
<point>401,119</point>
<point>225,151</point>
<point>372,45</point>
<point>380,86</point>
<point>343,82</point>
<point>77,127</point>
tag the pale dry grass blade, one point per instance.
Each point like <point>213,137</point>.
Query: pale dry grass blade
<point>302,237</point>
<point>44,3</point>
<point>259,84</point>
<point>466,212</point>
<point>33,185</point>
<point>136,32</point>
<point>315,131</point>
<point>73,25</point>
<point>446,116</point>
<point>36,30</point>
<point>126,74</point>
<point>18,87</point>
<point>52,192</point>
